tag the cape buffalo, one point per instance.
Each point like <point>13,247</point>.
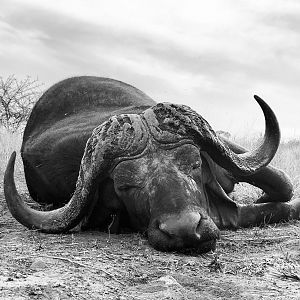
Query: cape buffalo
<point>97,149</point>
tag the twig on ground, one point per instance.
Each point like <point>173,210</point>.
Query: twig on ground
<point>110,225</point>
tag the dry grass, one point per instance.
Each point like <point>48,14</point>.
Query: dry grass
<point>9,142</point>
<point>256,263</point>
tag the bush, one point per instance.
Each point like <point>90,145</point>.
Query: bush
<point>17,98</point>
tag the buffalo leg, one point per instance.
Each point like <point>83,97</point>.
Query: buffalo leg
<point>276,185</point>
<point>265,213</point>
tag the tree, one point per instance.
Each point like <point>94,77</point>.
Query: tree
<point>17,98</point>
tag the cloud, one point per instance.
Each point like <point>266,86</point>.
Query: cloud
<point>70,39</point>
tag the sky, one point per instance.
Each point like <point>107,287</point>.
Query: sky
<point>211,55</point>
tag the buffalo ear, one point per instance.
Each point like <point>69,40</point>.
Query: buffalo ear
<point>222,210</point>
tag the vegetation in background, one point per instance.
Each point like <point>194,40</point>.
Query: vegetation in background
<point>17,98</point>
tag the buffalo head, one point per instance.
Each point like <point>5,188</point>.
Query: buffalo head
<point>160,165</point>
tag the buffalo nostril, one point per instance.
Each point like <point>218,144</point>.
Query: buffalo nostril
<point>163,227</point>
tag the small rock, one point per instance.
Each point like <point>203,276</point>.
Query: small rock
<point>164,288</point>
<point>38,264</point>
<point>19,275</point>
<point>169,280</point>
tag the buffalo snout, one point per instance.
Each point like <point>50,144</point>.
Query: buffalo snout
<point>181,231</point>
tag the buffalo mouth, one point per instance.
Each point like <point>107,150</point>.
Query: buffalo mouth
<point>206,246</point>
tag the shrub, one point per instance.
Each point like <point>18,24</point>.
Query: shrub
<point>17,98</point>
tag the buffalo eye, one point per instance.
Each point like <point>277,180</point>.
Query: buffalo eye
<point>125,188</point>
<point>196,165</point>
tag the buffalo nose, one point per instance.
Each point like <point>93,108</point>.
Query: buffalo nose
<point>183,225</point>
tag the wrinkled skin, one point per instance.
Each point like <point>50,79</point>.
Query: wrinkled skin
<point>161,193</point>
<point>160,170</point>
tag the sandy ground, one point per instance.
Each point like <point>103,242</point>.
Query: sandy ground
<point>257,263</point>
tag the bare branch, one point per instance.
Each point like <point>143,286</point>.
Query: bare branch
<point>17,98</point>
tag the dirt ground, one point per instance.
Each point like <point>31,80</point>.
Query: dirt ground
<point>257,263</point>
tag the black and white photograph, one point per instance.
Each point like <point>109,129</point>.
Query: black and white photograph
<point>149,149</point>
